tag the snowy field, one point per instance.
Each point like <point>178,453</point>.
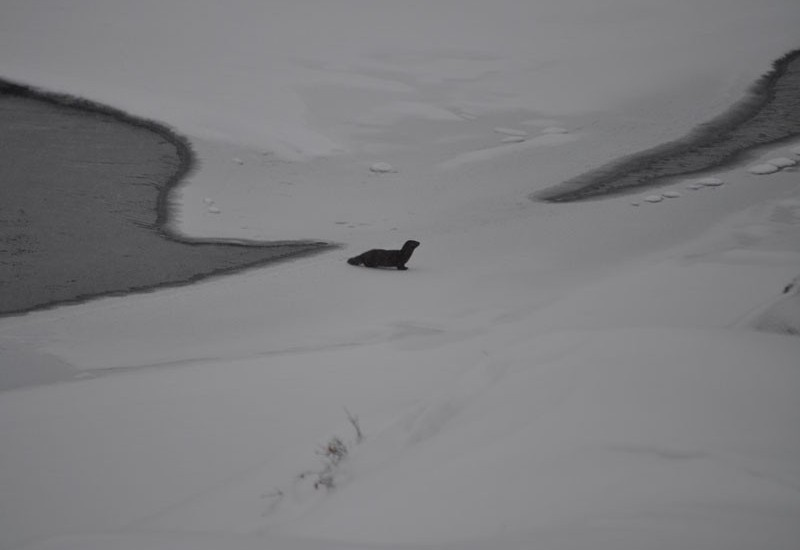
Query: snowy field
<point>619,374</point>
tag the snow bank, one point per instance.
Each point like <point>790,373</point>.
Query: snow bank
<point>763,169</point>
<point>591,435</point>
<point>510,390</point>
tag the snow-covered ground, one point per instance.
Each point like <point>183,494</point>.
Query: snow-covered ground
<point>617,374</point>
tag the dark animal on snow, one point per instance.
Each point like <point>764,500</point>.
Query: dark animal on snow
<point>385,258</point>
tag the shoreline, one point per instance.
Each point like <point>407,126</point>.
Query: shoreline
<point>67,236</point>
<point>768,115</point>
<point>29,277</point>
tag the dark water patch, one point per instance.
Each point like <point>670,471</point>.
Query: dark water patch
<point>85,204</point>
<point>770,114</point>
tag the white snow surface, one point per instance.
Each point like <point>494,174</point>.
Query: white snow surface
<point>543,376</point>
<point>708,182</point>
<point>764,168</point>
<point>782,162</point>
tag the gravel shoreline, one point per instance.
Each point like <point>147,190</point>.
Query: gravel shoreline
<point>85,206</point>
<point>769,115</point>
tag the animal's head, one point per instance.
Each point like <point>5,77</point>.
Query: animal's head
<point>411,245</point>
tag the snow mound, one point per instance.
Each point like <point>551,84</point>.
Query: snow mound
<point>213,210</point>
<point>513,139</point>
<point>671,195</point>
<point>763,169</point>
<point>708,182</point>
<point>782,162</point>
<point>208,200</point>
<point>653,198</point>
<point>382,168</point>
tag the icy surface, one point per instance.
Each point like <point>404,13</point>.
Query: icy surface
<point>557,376</point>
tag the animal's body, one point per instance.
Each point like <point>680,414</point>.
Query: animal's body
<point>386,258</point>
